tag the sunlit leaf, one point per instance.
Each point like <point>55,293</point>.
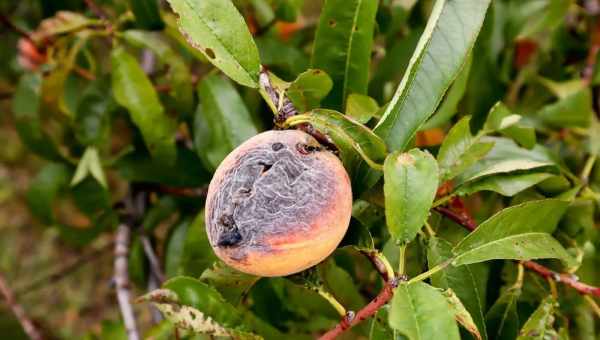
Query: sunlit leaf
<point>447,40</point>
<point>520,232</point>
<point>216,28</point>
<point>342,46</point>
<point>410,185</point>
<point>133,90</point>
<point>421,312</point>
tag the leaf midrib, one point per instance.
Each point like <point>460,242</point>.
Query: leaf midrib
<point>458,256</point>
<point>349,50</point>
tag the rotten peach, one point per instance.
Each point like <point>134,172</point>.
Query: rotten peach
<point>278,204</point>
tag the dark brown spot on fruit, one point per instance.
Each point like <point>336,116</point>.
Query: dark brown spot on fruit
<point>277,146</point>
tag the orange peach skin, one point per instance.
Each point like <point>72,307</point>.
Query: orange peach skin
<point>298,249</point>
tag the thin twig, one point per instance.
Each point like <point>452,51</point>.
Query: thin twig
<point>466,221</point>
<point>567,279</point>
<point>122,280</point>
<point>152,258</point>
<point>63,271</point>
<point>11,26</point>
<point>351,320</point>
<point>27,324</point>
<point>590,62</point>
<point>97,10</point>
<point>386,271</point>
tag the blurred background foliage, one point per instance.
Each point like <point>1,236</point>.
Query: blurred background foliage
<point>80,148</point>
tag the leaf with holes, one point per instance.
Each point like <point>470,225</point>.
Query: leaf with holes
<point>217,29</point>
<point>342,47</point>
<point>539,324</point>
<point>410,184</point>
<point>197,307</point>
<point>461,314</point>
<point>520,232</point>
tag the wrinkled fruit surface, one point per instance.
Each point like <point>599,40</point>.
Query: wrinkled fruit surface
<point>278,204</point>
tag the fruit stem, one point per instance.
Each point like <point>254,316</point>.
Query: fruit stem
<point>332,300</point>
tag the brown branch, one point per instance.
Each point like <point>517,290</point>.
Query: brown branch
<point>27,324</point>
<point>97,10</point>
<point>351,320</point>
<point>153,259</point>
<point>64,271</point>
<point>464,219</point>
<point>121,278</point>
<point>590,62</point>
<point>11,26</point>
<point>567,279</point>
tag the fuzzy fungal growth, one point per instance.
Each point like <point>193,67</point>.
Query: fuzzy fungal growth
<point>278,204</point>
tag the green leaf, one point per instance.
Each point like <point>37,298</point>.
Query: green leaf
<point>503,318</point>
<point>232,284</point>
<point>506,157</point>
<point>89,164</point>
<point>342,46</point>
<point>410,185</point>
<point>349,136</point>
<point>45,187</point>
<point>26,110</point>
<point>501,119</point>
<point>449,106</point>
<point>133,90</point>
<point>147,14</point>
<point>192,304</point>
<point>221,122</point>
<point>548,17</point>
<point>309,88</point>
<point>361,107</point>
<point>439,56</point>
<point>263,12</point>
<point>574,110</point>
<point>460,150</point>
<point>420,312</point>
<point>539,324</point>
<point>218,30</point>
<point>339,282</point>
<point>504,184</point>
<point>469,282</point>
<point>461,314</point>
<point>186,172</point>
<point>178,77</point>
<point>195,306</point>
<point>92,117</point>
<point>520,232</point>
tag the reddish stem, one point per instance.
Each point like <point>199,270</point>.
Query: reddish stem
<point>464,219</point>
<point>366,312</point>
<point>567,279</point>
